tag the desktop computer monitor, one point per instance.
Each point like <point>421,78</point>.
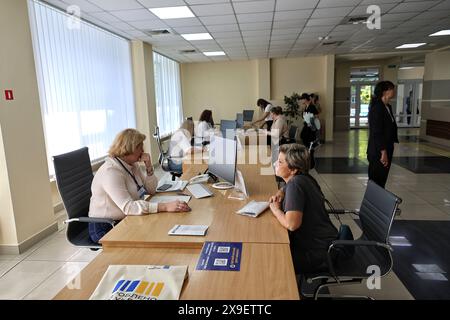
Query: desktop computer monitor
<point>239,120</point>
<point>248,115</point>
<point>223,158</point>
<point>228,128</point>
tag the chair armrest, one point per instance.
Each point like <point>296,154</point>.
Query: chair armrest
<point>93,220</point>
<point>358,243</point>
<point>343,211</point>
<point>351,243</point>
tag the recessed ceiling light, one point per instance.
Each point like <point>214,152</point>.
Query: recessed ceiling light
<point>172,12</point>
<point>440,33</point>
<point>405,68</point>
<point>214,53</point>
<point>196,36</point>
<point>410,45</point>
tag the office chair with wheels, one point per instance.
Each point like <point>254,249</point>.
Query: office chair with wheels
<point>165,160</point>
<point>350,261</point>
<point>74,176</point>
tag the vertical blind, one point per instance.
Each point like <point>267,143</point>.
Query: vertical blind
<point>85,82</point>
<point>169,109</point>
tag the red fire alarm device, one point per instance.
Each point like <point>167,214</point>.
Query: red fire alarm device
<point>9,95</point>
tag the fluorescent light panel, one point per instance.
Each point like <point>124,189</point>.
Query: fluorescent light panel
<point>214,53</point>
<point>196,36</point>
<point>440,33</point>
<point>172,12</point>
<point>410,45</point>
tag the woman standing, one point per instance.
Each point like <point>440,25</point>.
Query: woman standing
<point>382,133</point>
<point>309,130</point>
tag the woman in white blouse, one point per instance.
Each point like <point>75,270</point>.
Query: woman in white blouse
<point>121,183</point>
<point>205,128</point>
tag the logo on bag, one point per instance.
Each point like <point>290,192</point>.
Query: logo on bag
<point>137,290</point>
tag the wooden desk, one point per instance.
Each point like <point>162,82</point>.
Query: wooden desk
<point>218,212</point>
<point>266,273</point>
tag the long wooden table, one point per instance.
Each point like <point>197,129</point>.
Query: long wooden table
<point>266,273</point>
<point>219,212</point>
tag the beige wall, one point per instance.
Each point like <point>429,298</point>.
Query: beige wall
<point>225,87</point>
<point>27,202</point>
<point>411,74</point>
<point>229,87</point>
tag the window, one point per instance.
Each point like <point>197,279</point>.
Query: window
<point>169,110</point>
<point>85,82</point>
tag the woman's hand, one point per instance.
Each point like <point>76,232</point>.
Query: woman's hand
<point>174,206</point>
<point>278,197</point>
<point>384,158</point>
<point>145,157</point>
<point>275,206</point>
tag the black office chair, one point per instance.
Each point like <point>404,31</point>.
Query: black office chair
<point>349,259</point>
<point>292,135</point>
<point>74,176</point>
<point>165,160</point>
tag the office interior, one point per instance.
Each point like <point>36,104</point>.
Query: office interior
<point>271,49</point>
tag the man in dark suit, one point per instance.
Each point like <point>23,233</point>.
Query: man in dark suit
<point>382,133</point>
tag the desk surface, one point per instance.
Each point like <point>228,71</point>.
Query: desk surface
<point>218,212</point>
<point>266,270</point>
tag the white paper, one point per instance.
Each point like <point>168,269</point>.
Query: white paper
<point>176,185</point>
<point>188,230</point>
<point>254,208</point>
<point>166,199</point>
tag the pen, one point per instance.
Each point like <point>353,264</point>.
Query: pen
<point>183,194</point>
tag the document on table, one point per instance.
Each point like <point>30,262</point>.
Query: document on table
<point>166,199</point>
<point>188,230</point>
<point>253,208</point>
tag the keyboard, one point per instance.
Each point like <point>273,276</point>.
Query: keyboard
<point>199,190</point>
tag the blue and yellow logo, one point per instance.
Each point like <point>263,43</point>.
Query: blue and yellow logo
<point>137,290</point>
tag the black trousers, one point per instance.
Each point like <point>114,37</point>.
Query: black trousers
<point>378,173</point>
<point>269,127</point>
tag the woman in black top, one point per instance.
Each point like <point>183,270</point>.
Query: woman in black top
<point>382,133</point>
<point>308,133</point>
<point>300,208</point>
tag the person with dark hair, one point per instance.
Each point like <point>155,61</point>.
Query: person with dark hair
<point>266,118</point>
<point>309,131</point>
<point>315,101</point>
<point>300,208</point>
<point>408,107</point>
<point>382,133</point>
<point>204,128</point>
<point>280,128</point>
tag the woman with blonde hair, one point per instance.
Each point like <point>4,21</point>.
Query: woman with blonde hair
<point>122,182</point>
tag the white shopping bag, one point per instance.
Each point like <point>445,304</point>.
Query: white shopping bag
<point>141,282</point>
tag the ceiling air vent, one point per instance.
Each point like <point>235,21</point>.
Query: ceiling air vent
<point>332,43</point>
<point>355,20</point>
<point>159,32</point>
<point>190,51</point>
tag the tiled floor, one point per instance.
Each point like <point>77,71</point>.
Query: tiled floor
<point>48,266</point>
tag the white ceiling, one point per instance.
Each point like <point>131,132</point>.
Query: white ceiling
<point>248,29</point>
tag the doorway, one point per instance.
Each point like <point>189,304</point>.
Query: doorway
<point>360,96</point>
<point>409,103</point>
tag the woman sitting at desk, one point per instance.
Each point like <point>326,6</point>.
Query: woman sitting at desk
<point>121,183</point>
<point>180,145</point>
<point>300,208</point>
<point>205,127</point>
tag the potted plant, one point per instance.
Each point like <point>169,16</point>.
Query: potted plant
<point>292,109</point>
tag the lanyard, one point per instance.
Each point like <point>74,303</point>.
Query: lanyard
<point>134,178</point>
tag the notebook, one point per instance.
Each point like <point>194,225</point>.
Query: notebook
<point>253,208</point>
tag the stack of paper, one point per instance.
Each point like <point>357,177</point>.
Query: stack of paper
<point>166,199</point>
<point>188,230</point>
<point>253,208</point>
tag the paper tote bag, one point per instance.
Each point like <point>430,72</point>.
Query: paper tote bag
<point>141,282</point>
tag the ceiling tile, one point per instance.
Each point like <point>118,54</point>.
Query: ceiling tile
<point>148,24</point>
<point>397,16</point>
<point>214,20</point>
<point>187,30</point>
<point>134,15</point>
<point>109,5</point>
<point>445,5</point>
<point>223,28</point>
<point>84,5</point>
<point>104,16</point>
<point>285,5</point>
<point>255,17</point>
<point>254,6</point>
<point>362,10</point>
<point>289,24</point>
<point>413,6</point>
<point>226,35</point>
<point>340,3</point>
<point>212,9</point>
<point>193,2</point>
<point>331,12</point>
<point>256,26</point>
<point>161,3</point>
<point>292,15</point>
<point>323,22</point>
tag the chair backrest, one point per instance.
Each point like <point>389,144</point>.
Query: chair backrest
<point>74,176</point>
<point>292,132</point>
<point>239,120</point>
<point>377,212</point>
<point>248,115</point>
<point>227,125</point>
